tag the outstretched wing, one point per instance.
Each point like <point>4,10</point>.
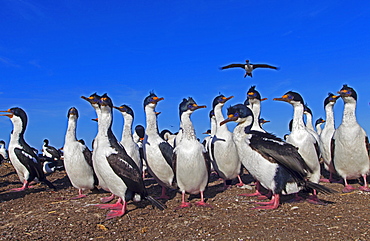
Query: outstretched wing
<point>264,66</point>
<point>233,66</point>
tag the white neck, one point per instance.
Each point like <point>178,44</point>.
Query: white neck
<point>349,113</point>
<point>329,121</point>
<point>298,123</point>
<point>219,118</point>
<point>71,129</point>
<point>151,120</point>
<point>187,126</point>
<point>127,127</point>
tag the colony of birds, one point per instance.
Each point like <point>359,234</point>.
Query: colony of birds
<point>180,161</point>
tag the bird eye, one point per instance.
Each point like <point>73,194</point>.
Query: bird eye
<point>190,106</point>
<point>290,97</point>
<point>236,114</point>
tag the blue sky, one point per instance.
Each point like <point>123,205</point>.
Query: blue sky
<point>52,52</point>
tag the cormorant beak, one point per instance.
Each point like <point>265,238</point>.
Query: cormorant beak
<point>119,108</point>
<point>344,93</point>
<point>95,119</point>
<point>265,121</point>
<point>264,99</point>
<point>224,99</point>
<point>88,99</point>
<point>10,115</point>
<point>283,98</point>
<point>157,113</point>
<point>229,118</point>
<point>156,100</point>
<point>195,107</point>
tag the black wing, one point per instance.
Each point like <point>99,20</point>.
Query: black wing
<point>31,162</point>
<point>53,152</point>
<point>87,155</point>
<point>264,66</point>
<point>283,153</point>
<point>233,66</point>
<point>167,152</point>
<point>128,171</point>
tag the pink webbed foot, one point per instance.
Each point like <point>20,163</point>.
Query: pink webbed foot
<point>107,199</point>
<point>203,204</point>
<point>313,199</point>
<point>273,204</point>
<point>183,205</point>
<point>78,197</point>
<point>240,184</point>
<point>348,188</point>
<point>18,189</point>
<point>115,206</point>
<point>117,213</point>
<point>364,188</point>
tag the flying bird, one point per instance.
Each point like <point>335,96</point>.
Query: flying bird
<point>248,67</point>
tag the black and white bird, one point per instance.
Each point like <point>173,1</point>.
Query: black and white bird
<point>138,137</point>
<point>249,67</point>
<point>309,124</point>
<point>94,100</point>
<point>22,157</point>
<point>127,140</point>
<point>50,151</point>
<point>253,102</point>
<point>157,152</point>
<point>4,155</point>
<point>349,144</point>
<point>223,152</point>
<point>189,159</point>
<point>275,164</point>
<point>168,136</point>
<point>318,124</point>
<point>78,158</point>
<point>301,138</point>
<point>118,171</point>
<point>327,135</point>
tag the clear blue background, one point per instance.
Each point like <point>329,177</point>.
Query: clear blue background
<point>52,52</point>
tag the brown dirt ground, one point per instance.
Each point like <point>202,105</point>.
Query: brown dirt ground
<point>40,213</point>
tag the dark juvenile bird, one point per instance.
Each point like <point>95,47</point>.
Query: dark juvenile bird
<point>25,161</point>
<point>249,67</point>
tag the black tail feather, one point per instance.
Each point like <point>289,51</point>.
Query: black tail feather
<point>156,203</point>
<point>50,185</point>
<point>320,188</point>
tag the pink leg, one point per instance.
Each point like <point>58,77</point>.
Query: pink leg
<point>115,206</point>
<point>163,194</point>
<point>365,187</point>
<point>107,199</point>
<point>24,187</point>
<point>202,202</point>
<point>313,199</point>
<point>240,184</point>
<point>183,203</point>
<point>80,195</point>
<point>347,188</point>
<point>117,213</point>
<point>256,193</point>
<point>273,204</point>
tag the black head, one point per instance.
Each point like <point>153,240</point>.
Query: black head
<point>330,99</point>
<point>18,112</point>
<point>2,142</point>
<point>92,99</point>
<point>81,141</point>
<point>253,93</point>
<point>319,121</point>
<point>220,99</point>
<point>125,108</point>
<point>307,109</point>
<point>151,99</point>
<point>291,96</point>
<point>211,114</point>
<point>347,91</point>
<point>237,111</point>
<point>72,111</point>
<point>188,104</point>
<point>46,141</point>
<point>105,101</point>
<point>140,131</point>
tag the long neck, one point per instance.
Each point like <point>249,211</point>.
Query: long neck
<point>329,122</point>
<point>127,127</point>
<point>71,129</point>
<point>18,130</point>
<point>309,121</point>
<point>151,121</point>
<point>298,123</point>
<point>349,113</point>
<point>219,118</point>
<point>187,127</point>
<point>213,126</point>
<point>104,123</point>
<point>256,110</point>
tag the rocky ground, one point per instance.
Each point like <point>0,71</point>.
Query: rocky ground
<point>40,213</point>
